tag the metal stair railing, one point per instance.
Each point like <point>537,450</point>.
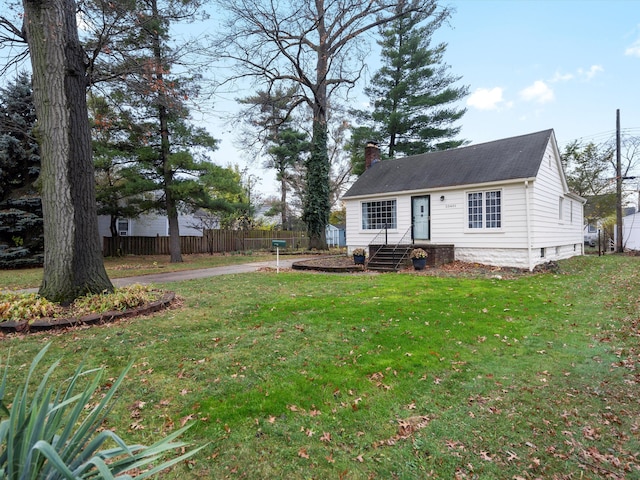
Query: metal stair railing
<point>402,241</point>
<point>380,235</point>
<point>404,251</point>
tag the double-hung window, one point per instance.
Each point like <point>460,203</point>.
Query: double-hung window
<point>123,227</point>
<point>379,214</point>
<point>484,209</point>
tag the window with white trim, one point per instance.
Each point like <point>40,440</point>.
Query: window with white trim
<point>123,227</point>
<point>484,209</point>
<point>379,214</point>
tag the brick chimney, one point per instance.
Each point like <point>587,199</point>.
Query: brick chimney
<point>371,154</point>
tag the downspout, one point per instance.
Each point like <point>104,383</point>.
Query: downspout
<point>528,220</point>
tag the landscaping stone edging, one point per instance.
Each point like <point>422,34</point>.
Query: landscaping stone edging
<point>23,326</point>
<point>311,265</point>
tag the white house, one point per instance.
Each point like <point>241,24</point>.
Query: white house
<point>503,203</point>
<point>631,231</point>
<point>151,225</point>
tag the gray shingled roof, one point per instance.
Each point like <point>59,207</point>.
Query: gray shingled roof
<point>500,160</point>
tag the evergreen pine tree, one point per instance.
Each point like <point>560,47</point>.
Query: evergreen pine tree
<point>151,84</point>
<point>21,232</point>
<point>413,95</point>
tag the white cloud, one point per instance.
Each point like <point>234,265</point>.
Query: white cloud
<point>634,49</point>
<point>486,99</point>
<point>538,92</point>
<point>561,77</point>
<point>592,72</point>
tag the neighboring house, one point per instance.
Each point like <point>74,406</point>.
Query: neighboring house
<point>336,236</point>
<point>151,225</point>
<point>591,232</point>
<point>631,232</point>
<point>502,203</point>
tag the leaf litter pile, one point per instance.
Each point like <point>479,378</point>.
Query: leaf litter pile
<point>30,306</point>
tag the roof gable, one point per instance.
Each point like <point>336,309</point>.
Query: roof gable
<point>501,160</point>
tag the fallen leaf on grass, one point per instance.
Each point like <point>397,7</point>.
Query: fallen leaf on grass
<point>486,456</point>
<point>406,428</point>
<point>511,456</point>
<point>184,420</point>
<point>326,437</point>
<point>302,453</point>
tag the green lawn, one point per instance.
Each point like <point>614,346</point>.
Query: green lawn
<point>302,375</point>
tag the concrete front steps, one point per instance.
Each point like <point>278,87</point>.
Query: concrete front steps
<point>388,258</point>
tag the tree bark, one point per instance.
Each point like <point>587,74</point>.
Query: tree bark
<point>73,264</point>
<point>318,203</point>
<point>175,250</point>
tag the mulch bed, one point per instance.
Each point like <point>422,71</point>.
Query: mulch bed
<point>24,326</point>
<point>344,264</point>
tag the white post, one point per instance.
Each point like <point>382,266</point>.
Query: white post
<point>277,259</point>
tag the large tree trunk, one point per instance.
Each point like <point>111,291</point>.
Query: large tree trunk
<point>283,201</point>
<point>317,205</point>
<point>175,250</point>
<point>73,263</point>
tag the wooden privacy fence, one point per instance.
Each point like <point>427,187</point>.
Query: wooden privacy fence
<point>213,241</point>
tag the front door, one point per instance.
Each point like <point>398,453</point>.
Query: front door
<point>420,215</point>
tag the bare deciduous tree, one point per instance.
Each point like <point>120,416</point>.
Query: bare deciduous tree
<point>318,46</point>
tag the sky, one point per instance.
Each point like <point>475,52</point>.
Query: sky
<point>532,65</point>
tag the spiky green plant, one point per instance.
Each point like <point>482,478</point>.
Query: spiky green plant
<point>50,436</point>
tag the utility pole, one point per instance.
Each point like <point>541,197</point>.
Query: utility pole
<point>619,247</point>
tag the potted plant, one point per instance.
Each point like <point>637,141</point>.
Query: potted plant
<point>419,258</point>
<point>359,255</point>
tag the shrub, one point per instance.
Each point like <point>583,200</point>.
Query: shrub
<point>50,436</point>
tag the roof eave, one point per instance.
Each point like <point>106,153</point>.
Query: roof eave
<point>468,186</point>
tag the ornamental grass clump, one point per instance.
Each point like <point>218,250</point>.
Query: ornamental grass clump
<point>47,432</point>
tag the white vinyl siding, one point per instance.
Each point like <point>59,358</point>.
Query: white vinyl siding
<point>553,221</point>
